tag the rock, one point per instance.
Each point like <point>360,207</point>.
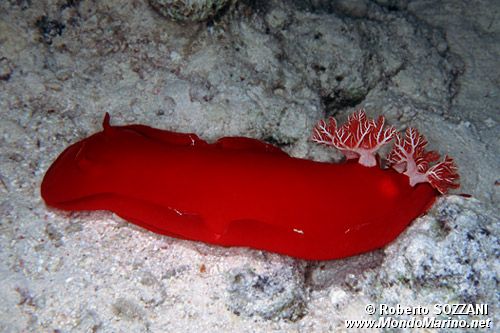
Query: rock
<point>89,322</point>
<point>276,292</point>
<point>343,271</point>
<point>187,10</point>
<point>6,69</point>
<point>49,28</point>
<point>448,256</point>
<point>127,309</point>
<point>269,71</point>
<point>54,234</point>
<point>352,8</point>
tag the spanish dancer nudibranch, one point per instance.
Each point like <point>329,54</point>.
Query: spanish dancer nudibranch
<point>243,192</point>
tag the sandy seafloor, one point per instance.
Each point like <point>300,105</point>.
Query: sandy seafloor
<point>263,69</point>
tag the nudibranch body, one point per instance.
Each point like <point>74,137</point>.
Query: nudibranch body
<point>244,192</point>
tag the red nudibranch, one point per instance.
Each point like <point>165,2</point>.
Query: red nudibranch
<point>244,192</point>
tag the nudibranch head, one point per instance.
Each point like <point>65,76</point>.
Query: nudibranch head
<point>80,172</point>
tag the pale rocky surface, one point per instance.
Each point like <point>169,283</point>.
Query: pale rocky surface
<point>452,258</point>
<point>267,70</point>
<point>190,10</point>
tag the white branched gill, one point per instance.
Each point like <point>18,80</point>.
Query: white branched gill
<point>408,155</point>
<point>359,137</point>
<point>323,133</point>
